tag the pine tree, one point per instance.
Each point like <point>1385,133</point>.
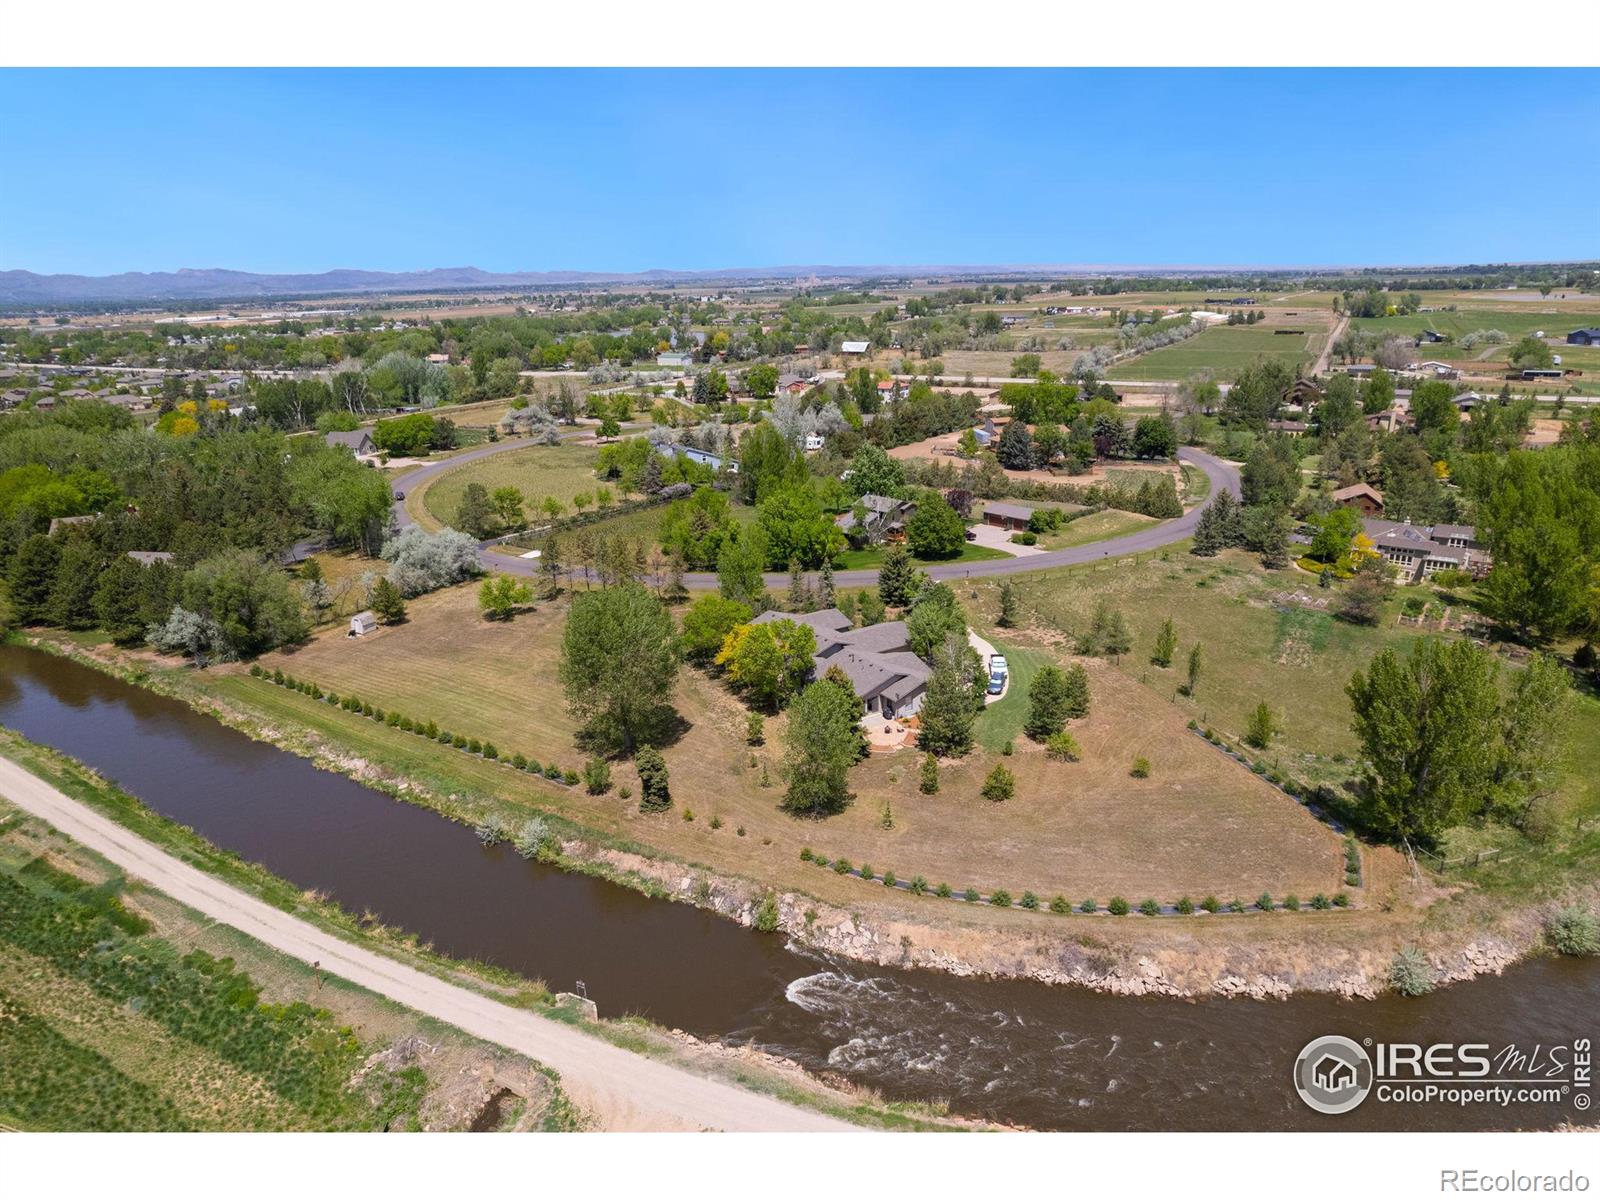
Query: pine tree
<point>1077,703</point>
<point>1194,672</point>
<point>1008,606</point>
<point>1207,534</point>
<point>825,597</point>
<point>947,711</point>
<point>675,591</point>
<point>896,577</point>
<point>388,605</point>
<point>928,784</point>
<point>799,599</point>
<point>1166,644</point>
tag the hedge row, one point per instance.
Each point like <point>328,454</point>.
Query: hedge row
<point>429,729</point>
<point>1117,906</point>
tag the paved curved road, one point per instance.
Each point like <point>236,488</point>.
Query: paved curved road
<point>621,1089</point>
<point>1222,476</point>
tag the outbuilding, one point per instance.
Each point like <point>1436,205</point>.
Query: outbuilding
<point>363,623</point>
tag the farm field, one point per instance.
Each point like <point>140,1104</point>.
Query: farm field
<point>539,471</point>
<point>179,1029</point>
<point>1205,823</point>
<point>1512,322</point>
<point>1225,350</point>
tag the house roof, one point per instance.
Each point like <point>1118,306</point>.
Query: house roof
<point>1358,489</point>
<point>854,347</point>
<point>147,558</point>
<point>1017,512</point>
<point>355,439</point>
<point>827,620</point>
<point>365,617</point>
<point>1418,539</point>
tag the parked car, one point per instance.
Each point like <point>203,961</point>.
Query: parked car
<point>997,665</point>
<point>997,684</point>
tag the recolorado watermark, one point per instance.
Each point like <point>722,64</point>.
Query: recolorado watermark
<point>1510,1182</point>
<point>1335,1074</point>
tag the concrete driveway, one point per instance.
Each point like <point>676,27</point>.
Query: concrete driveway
<point>996,538</point>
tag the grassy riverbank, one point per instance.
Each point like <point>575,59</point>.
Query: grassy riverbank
<point>748,1069</point>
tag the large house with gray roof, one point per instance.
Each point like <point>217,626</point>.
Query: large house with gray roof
<point>877,659</point>
<point>879,519</point>
<point>1417,551</point>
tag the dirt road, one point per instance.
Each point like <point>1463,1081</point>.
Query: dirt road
<point>619,1089</point>
<point>1326,357</point>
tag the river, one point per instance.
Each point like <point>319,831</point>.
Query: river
<point>1013,1051</point>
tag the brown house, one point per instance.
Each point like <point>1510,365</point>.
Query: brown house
<point>1007,516</point>
<point>1366,500</point>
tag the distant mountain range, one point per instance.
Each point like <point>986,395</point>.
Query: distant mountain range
<point>188,284</point>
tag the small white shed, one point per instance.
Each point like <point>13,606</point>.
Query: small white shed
<point>363,622</point>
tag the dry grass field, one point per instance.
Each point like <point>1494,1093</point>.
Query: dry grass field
<point>1200,824</point>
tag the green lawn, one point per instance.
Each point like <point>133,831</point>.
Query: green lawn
<point>1002,721</point>
<point>1096,527</point>
<point>1224,350</point>
<point>539,471</point>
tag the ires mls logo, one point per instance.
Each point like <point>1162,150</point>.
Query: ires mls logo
<point>1333,1074</point>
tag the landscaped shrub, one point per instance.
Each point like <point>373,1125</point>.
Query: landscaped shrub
<point>431,730</point>
<point>805,854</point>
<point>1341,899</point>
<point>1060,904</point>
<point>889,879</point>
<point>1321,903</point>
<point>971,895</point>
<point>1185,905</point>
<point>551,771</point>
<point>1000,784</point>
<point>1292,902</point>
<point>1264,902</point>
<point>277,676</point>
<point>917,886</point>
<point>1236,905</point>
<point>766,920</point>
<point>755,729</point>
<point>489,750</point>
<point>570,778</point>
<point>928,780</point>
<point>1089,906</point>
<point>459,741</point>
<point>368,711</point>
<point>1029,900</point>
<point>1008,749</point>
<point>943,891</point>
<point>489,832</point>
<point>688,814</point>
<point>1409,973</point>
<point>255,670</point>
<point>841,866</point>
<point>1000,898</point>
<point>654,794</point>
<point>597,776</point>
<point>531,838</point>
<point>867,872</point>
<point>1193,724</point>
<point>1149,907</point>
<point>1211,904</point>
<point>392,720</point>
<point>519,761</point>
<point>820,860</point>
<point>1117,907</point>
<point>533,767</point>
<point>1140,768</point>
<point>474,746</point>
<point>1351,879</point>
<point>1063,747</point>
<point>1573,930</point>
<point>625,792</point>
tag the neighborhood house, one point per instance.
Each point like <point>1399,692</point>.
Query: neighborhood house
<point>1007,516</point>
<point>881,519</point>
<point>1420,550</point>
<point>877,659</point>
<point>1366,500</point>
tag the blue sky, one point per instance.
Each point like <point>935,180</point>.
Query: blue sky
<point>304,170</point>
